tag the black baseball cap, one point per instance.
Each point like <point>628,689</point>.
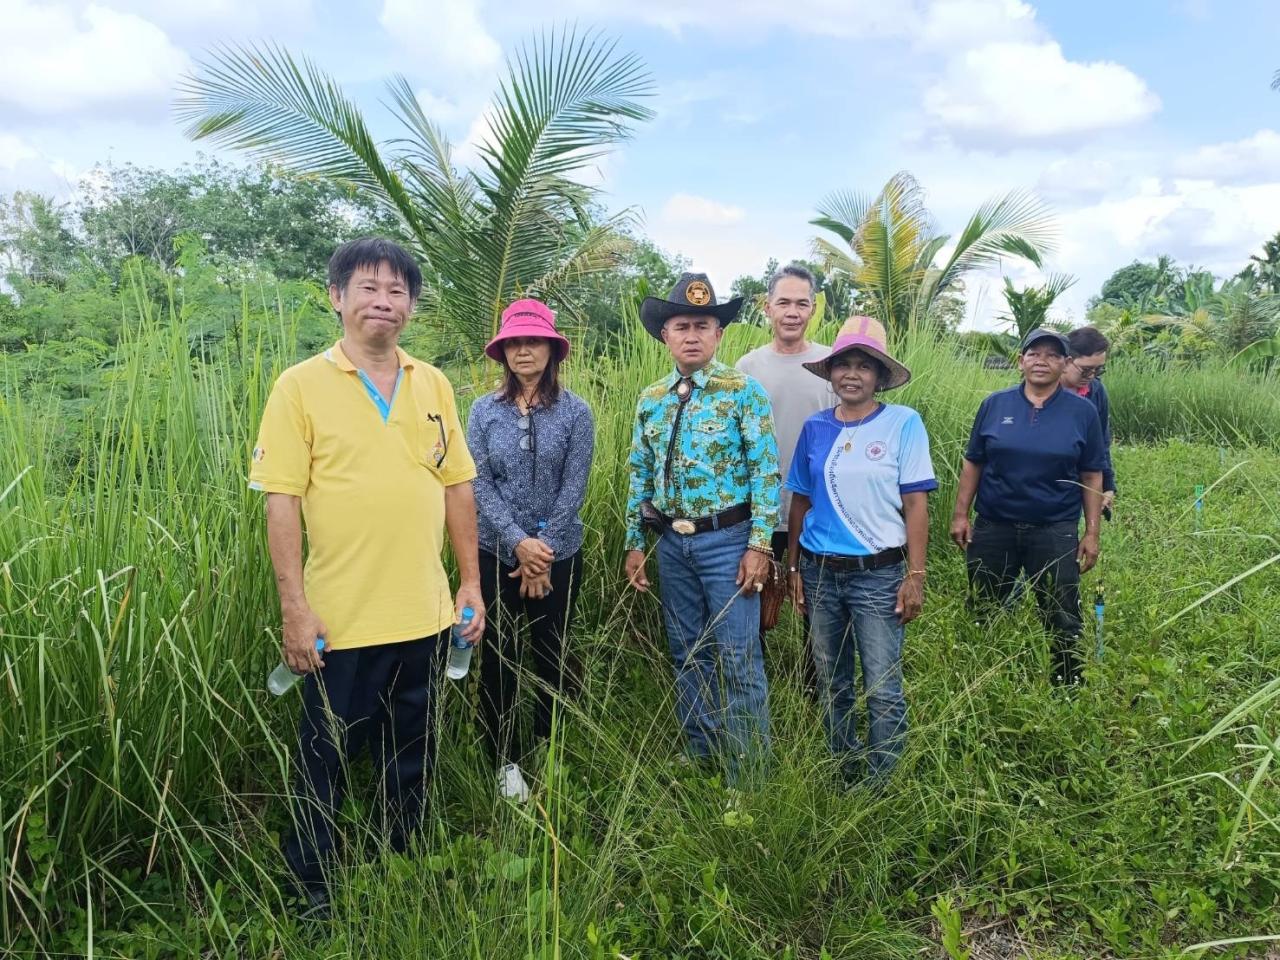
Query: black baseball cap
<point>1040,333</point>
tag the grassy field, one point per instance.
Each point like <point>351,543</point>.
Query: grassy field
<point>141,789</point>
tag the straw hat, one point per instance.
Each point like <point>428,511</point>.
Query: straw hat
<point>865,334</point>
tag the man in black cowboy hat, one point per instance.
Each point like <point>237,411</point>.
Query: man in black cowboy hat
<point>704,476</point>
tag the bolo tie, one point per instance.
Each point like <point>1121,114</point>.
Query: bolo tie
<point>684,390</point>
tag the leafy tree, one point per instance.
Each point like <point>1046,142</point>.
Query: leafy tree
<point>36,241</point>
<point>1266,268</point>
<point>516,224</point>
<point>892,246</point>
<point>1029,307</point>
<point>642,268</point>
<point>1141,283</point>
<point>283,224</point>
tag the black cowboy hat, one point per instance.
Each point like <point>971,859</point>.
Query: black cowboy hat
<point>692,294</point>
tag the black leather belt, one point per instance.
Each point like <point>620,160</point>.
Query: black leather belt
<point>686,526</point>
<point>857,564</point>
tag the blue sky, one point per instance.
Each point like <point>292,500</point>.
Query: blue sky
<point>1148,126</point>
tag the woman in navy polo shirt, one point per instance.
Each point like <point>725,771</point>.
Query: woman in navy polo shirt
<point>859,481</point>
<point>1035,458</point>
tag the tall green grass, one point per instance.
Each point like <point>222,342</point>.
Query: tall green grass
<point>142,784</point>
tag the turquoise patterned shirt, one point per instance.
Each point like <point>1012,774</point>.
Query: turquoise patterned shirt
<point>726,453</point>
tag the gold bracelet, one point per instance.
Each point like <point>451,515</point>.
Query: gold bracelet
<point>767,551</point>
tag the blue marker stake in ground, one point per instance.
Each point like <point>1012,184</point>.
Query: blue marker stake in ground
<point>1099,605</point>
<point>1199,503</point>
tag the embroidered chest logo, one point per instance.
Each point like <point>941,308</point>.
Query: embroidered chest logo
<point>876,450</point>
<point>698,293</point>
<point>1006,421</point>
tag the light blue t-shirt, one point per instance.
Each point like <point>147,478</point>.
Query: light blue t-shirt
<point>855,474</point>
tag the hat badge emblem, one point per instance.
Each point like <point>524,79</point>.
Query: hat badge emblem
<point>698,293</point>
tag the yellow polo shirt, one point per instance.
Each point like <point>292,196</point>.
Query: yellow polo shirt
<point>371,476</point>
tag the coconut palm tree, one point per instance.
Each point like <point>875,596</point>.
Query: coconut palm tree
<point>891,246</point>
<point>517,223</point>
<point>1029,307</point>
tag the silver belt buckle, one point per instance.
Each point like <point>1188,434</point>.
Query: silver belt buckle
<point>683,527</point>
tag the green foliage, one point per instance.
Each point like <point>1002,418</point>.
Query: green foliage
<point>1029,307</point>
<point>892,247</point>
<point>517,224</point>
<point>143,766</point>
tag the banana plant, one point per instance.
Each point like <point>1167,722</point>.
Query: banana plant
<point>519,222</point>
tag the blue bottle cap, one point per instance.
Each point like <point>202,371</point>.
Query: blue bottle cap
<point>468,613</point>
<point>319,643</point>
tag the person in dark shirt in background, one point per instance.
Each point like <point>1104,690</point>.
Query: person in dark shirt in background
<point>1034,462</point>
<point>1083,374</point>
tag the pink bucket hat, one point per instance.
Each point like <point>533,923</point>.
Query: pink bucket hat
<point>865,334</point>
<point>527,318</point>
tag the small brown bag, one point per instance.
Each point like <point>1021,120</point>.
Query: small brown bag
<point>772,597</point>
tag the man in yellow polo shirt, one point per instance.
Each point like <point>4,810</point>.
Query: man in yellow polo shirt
<point>364,442</point>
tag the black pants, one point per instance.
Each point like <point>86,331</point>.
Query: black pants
<point>557,672</point>
<point>1046,553</point>
<point>382,697</point>
<point>808,671</point>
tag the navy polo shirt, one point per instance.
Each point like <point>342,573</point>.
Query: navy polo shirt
<point>1096,394</point>
<point>1032,458</point>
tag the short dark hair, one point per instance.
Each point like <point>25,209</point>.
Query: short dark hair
<point>1086,341</point>
<point>796,270</point>
<point>548,383</point>
<point>373,252</point>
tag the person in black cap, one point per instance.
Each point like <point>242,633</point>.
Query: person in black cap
<point>704,476</point>
<point>1034,460</point>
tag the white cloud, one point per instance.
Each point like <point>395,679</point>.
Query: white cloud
<point>1017,91</point>
<point>1255,159</point>
<point>55,58</point>
<point>1079,177</point>
<point>447,36</point>
<point>441,110</point>
<point>837,18</point>
<point>687,208</point>
<point>15,151</point>
<point>960,24</point>
<point>198,20</point>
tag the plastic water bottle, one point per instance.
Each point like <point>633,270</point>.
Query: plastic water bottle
<point>282,678</point>
<point>460,647</point>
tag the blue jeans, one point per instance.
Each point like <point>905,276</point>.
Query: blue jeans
<point>714,635</point>
<point>849,608</point>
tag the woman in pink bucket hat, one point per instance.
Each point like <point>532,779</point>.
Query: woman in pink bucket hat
<point>532,441</point>
<point>858,530</point>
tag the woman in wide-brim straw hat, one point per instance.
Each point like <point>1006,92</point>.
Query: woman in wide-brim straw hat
<point>858,531</point>
<point>532,441</point>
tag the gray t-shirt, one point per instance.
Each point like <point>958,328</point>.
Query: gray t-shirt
<point>796,395</point>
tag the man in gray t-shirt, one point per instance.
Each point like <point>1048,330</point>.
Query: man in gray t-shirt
<point>794,393</point>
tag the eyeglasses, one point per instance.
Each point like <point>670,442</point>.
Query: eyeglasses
<point>443,445</point>
<point>528,439</point>
<point>1089,372</point>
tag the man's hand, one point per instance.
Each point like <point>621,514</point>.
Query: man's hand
<point>797,591</point>
<point>469,596</point>
<point>753,571</point>
<point>961,531</point>
<point>910,599</point>
<point>535,555</point>
<point>634,569</point>
<point>301,630</point>
<point>1087,552</point>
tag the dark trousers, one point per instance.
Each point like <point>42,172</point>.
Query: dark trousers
<point>382,697</point>
<point>808,672</point>
<point>1046,554</point>
<point>557,671</point>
